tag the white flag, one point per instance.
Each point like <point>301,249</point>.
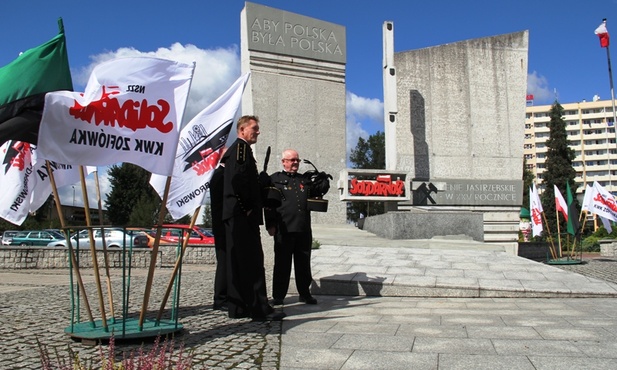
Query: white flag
<point>131,111</point>
<point>26,185</point>
<point>199,151</point>
<point>587,198</point>
<point>535,208</point>
<point>602,202</point>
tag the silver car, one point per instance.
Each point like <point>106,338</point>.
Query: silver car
<point>114,238</point>
<point>7,236</point>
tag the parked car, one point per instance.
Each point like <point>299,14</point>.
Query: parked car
<point>7,236</point>
<point>114,238</point>
<point>150,234</point>
<point>39,238</point>
<point>198,235</point>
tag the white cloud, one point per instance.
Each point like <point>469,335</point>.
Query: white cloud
<point>538,86</point>
<point>360,109</point>
<point>364,108</point>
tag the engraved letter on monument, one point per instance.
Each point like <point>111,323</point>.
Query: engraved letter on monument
<point>275,31</point>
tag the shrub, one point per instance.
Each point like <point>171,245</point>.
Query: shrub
<point>160,357</point>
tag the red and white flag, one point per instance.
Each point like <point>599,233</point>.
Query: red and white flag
<point>560,203</point>
<point>601,202</point>
<point>602,33</point>
<point>131,111</point>
<point>25,181</point>
<point>201,144</point>
<point>535,207</point>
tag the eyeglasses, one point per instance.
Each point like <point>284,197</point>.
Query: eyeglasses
<point>295,160</point>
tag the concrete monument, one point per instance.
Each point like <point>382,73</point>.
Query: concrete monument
<point>297,88</point>
<point>454,122</point>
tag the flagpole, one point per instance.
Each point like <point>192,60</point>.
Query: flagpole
<point>95,262</point>
<point>548,230</point>
<point>153,254</point>
<point>69,246</point>
<point>185,242</point>
<point>105,255</point>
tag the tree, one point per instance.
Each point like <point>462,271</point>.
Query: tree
<point>559,170</point>
<point>130,188</point>
<point>368,154</point>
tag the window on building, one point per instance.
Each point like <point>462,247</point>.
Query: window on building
<point>527,126</point>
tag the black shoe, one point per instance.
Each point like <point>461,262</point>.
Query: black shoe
<point>220,307</point>
<point>277,302</point>
<point>308,299</point>
<point>278,316</point>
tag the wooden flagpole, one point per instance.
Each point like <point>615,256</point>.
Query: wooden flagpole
<point>69,246</point>
<point>177,265</point>
<point>550,237</point>
<point>105,255</point>
<point>558,232</point>
<point>95,262</point>
<point>154,254</point>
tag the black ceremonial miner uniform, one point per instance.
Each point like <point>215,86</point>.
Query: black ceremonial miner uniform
<point>294,235</point>
<point>220,244</point>
<point>246,289</point>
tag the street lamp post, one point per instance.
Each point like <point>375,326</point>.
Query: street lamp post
<point>73,195</point>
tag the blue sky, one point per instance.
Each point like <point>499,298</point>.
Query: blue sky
<point>565,59</point>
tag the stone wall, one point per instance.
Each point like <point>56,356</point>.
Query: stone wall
<point>51,258</point>
<point>608,248</point>
<point>426,225</point>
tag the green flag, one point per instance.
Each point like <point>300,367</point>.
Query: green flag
<point>573,224</point>
<point>24,83</point>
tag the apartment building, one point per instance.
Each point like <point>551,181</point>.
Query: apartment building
<point>591,132</point>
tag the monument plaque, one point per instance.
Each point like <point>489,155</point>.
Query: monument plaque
<point>280,32</point>
<point>463,192</point>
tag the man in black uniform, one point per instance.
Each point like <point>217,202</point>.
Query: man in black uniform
<point>242,215</point>
<point>290,224</point>
<point>218,229</point>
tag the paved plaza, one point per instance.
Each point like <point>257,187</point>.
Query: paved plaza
<point>443,304</point>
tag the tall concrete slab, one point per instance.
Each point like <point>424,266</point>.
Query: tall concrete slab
<point>460,109</point>
<point>454,117</point>
<point>297,88</point>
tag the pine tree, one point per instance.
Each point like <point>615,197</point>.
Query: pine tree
<point>559,170</point>
<point>130,185</point>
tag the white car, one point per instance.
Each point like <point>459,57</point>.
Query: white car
<point>114,238</point>
<point>7,236</point>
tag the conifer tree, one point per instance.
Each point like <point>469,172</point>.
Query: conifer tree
<point>559,170</point>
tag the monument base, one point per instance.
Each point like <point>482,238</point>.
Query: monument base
<point>419,224</point>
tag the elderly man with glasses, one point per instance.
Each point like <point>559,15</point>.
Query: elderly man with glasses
<point>290,224</point>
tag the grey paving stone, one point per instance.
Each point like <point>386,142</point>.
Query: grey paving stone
<point>449,361</point>
<point>370,360</point>
<point>453,345</point>
<point>572,363</point>
<point>375,342</point>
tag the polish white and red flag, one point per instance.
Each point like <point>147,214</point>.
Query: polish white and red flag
<point>131,111</point>
<point>560,203</point>
<point>535,207</point>
<point>201,146</point>
<point>602,33</point>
